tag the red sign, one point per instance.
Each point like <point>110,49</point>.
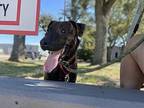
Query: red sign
<point>19,17</point>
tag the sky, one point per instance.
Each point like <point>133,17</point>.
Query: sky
<point>49,7</point>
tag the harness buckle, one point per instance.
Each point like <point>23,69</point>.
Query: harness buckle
<point>67,78</point>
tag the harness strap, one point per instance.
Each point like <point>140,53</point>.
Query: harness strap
<point>66,64</point>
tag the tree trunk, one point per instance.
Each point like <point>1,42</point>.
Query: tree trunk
<point>100,56</point>
<point>18,48</point>
<point>102,9</point>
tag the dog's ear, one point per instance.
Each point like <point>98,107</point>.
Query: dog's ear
<point>79,27</point>
<point>50,24</point>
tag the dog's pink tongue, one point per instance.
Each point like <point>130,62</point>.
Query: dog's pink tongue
<point>52,61</point>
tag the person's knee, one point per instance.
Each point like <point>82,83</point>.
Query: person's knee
<point>131,76</point>
<point>132,42</point>
<point>130,85</point>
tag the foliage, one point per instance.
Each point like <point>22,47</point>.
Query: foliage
<point>121,17</point>
<point>76,9</point>
<point>44,20</point>
<point>87,44</point>
<point>85,54</point>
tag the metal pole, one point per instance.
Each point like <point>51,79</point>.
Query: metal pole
<point>137,19</point>
<point>64,10</point>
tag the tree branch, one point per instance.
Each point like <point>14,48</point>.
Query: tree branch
<point>107,5</point>
<point>99,3</point>
<point>42,27</point>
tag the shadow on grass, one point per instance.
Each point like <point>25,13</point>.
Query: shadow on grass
<point>98,80</point>
<point>31,62</point>
<point>14,69</point>
<point>89,70</point>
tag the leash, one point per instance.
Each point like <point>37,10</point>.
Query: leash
<point>112,62</point>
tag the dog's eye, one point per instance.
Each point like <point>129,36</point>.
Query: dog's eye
<point>63,31</point>
<point>71,31</point>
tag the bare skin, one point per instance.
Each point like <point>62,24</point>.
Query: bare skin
<point>132,66</point>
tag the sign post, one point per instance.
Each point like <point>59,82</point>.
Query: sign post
<point>19,17</point>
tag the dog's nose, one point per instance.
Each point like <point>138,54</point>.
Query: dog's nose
<point>43,44</point>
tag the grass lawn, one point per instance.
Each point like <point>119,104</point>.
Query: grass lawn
<point>108,76</point>
<point>21,69</point>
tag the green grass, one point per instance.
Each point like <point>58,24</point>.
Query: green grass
<point>21,69</point>
<point>108,76</point>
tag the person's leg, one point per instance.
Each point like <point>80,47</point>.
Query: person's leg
<point>130,74</point>
<point>132,66</point>
<point>138,56</point>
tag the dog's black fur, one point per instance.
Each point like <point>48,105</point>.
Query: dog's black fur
<point>63,35</point>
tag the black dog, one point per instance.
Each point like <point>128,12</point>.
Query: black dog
<point>62,40</point>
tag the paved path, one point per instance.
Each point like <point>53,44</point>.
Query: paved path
<point>23,93</point>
